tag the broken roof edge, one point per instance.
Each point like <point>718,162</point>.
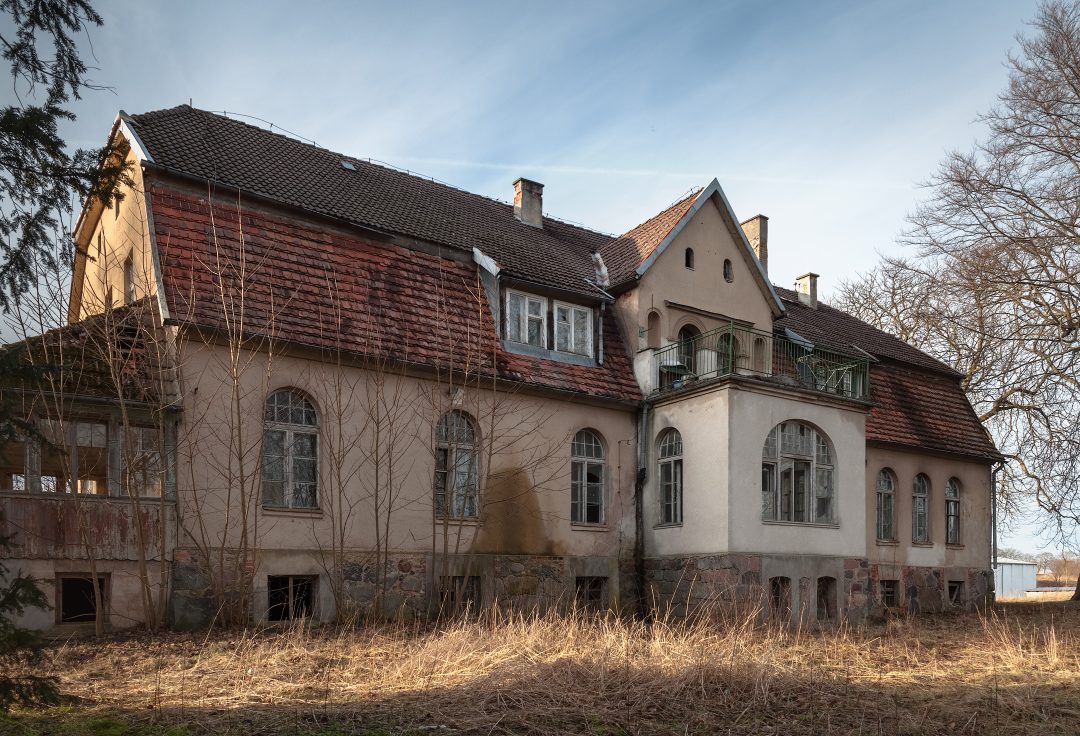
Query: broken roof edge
<point>706,194</point>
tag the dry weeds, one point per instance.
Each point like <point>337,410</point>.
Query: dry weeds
<point>1016,671</point>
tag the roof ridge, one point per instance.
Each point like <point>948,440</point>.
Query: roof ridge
<point>295,138</point>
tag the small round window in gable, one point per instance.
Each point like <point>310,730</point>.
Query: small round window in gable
<point>729,272</point>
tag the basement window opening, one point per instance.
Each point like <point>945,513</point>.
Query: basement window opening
<point>289,597</point>
<point>826,598</point>
<point>76,598</point>
<point>888,592</point>
<point>956,592</point>
<point>590,592</point>
<point>459,593</point>
<point>780,597</point>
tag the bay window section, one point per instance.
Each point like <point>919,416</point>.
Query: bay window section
<point>797,476</point>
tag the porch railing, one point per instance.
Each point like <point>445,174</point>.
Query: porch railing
<point>736,350</point>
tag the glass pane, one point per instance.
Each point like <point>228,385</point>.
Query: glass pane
<point>304,495</point>
<point>587,445</point>
<point>303,470</point>
<point>562,333</point>
<point>582,332</point>
<point>768,491</point>
<point>536,308</point>
<point>786,475</point>
<point>304,445</point>
<point>577,491</point>
<point>273,492</point>
<point>769,450</point>
<point>824,456</point>
<point>274,442</point>
<point>536,332</point>
<point>514,304</point>
<point>796,439</point>
<point>801,480</point>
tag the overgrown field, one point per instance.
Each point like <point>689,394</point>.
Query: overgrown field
<point>1015,671</point>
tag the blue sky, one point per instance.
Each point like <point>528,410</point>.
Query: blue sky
<point>822,115</point>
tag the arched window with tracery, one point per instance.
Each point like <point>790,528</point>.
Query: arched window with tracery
<point>290,451</point>
<point>587,478</point>
<point>797,475</point>
<point>457,487</point>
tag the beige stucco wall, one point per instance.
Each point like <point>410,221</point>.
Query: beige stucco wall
<point>723,431</point>
<point>524,461</point>
<point>123,231</point>
<point>975,510</point>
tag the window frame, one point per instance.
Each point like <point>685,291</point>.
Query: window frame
<point>104,582</point>
<point>671,497</point>
<point>129,278</point>
<point>920,512</point>
<point>288,459</point>
<point>523,324</point>
<point>953,531</point>
<point>881,495</point>
<point>774,504</point>
<point>469,504</point>
<point>292,611</point>
<point>688,258</point>
<point>580,465</point>
<point>589,339</point>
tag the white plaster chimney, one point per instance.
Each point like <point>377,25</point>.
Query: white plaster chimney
<point>806,285</point>
<point>529,202</point>
<point>756,230</point>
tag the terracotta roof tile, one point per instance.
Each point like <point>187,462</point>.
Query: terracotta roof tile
<point>257,161</point>
<point>624,254</point>
<point>322,288</point>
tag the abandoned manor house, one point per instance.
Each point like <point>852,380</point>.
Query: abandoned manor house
<point>293,383</point>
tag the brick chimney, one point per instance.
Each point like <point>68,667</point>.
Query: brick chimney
<point>529,202</point>
<point>806,285</point>
<point>756,230</point>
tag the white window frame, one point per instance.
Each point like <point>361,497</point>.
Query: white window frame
<point>290,430</point>
<point>456,482</point>
<point>584,459</point>
<point>589,334</point>
<point>885,493</point>
<point>920,509</point>
<point>952,512</point>
<point>670,463</point>
<point>523,325</point>
<point>774,458</point>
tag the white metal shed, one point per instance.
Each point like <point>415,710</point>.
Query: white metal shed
<point>1013,577</point>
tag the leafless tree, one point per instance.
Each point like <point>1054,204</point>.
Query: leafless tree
<point>993,285</point>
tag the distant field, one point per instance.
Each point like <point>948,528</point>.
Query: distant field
<point>1014,671</point>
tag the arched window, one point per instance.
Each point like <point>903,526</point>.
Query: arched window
<point>689,256</point>
<point>761,355</point>
<point>886,497</point>
<point>670,452</point>
<point>688,347</point>
<point>456,484</point>
<point>290,451</point>
<point>586,479</point>
<point>797,481</point>
<point>920,509</point>
<point>729,271</point>
<point>653,335</point>
<point>952,511</point>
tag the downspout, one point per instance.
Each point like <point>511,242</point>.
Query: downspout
<point>639,507</point>
<point>993,511</point>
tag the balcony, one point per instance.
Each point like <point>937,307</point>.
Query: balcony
<point>732,350</point>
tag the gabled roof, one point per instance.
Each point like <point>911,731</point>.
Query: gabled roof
<point>214,148</point>
<point>636,250</point>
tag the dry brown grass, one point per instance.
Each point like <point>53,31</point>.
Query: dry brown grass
<point>1016,671</point>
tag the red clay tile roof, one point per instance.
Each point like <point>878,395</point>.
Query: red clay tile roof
<point>624,254</point>
<point>828,326</point>
<point>257,161</point>
<point>393,302</point>
<point>918,400</point>
<point>926,410</point>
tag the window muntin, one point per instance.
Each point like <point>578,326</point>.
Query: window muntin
<point>526,319</point>
<point>671,477</point>
<point>457,487</point>
<point>290,451</point>
<point>885,506</point>
<point>797,475</point>
<point>952,511</point>
<point>586,479</point>
<point>573,329</point>
<point>920,509</point>
<point>290,597</point>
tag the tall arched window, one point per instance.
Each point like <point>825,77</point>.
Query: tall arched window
<point>886,497</point>
<point>456,477</point>
<point>586,478</point>
<point>671,486</point>
<point>920,509</point>
<point>653,336</point>
<point>952,511</point>
<point>729,272</point>
<point>290,451</point>
<point>689,256</point>
<point>797,481</point>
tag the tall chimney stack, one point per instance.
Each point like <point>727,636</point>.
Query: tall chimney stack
<point>806,285</point>
<point>756,230</point>
<point>529,202</point>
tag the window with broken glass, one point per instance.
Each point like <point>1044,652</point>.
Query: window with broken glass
<point>797,475</point>
<point>290,452</point>
<point>920,510</point>
<point>573,329</point>
<point>671,477</point>
<point>142,461</point>
<point>456,456</point>
<point>586,478</point>
<point>526,319</point>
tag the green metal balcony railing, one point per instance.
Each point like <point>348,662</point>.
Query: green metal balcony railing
<point>734,350</point>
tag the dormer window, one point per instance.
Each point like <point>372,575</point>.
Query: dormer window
<point>526,319</point>
<point>573,329</point>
